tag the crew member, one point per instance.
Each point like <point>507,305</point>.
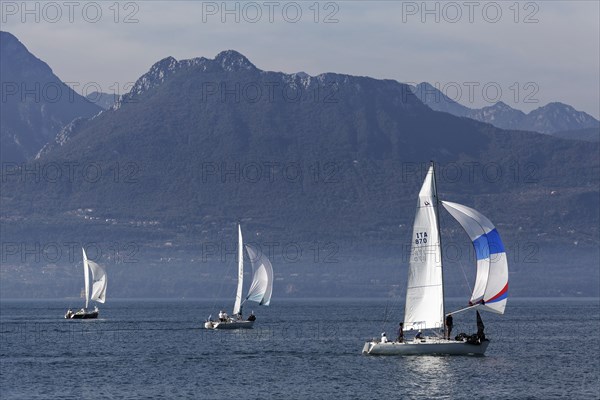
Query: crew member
<point>448,326</point>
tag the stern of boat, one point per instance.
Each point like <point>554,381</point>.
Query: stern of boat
<point>367,347</point>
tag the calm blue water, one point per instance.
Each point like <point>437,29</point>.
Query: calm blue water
<point>299,349</point>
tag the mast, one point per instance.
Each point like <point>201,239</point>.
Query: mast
<point>238,296</point>
<point>437,221</point>
<point>86,277</point>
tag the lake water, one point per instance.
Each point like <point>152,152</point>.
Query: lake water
<point>299,349</point>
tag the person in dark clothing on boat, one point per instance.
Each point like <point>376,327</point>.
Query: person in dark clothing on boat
<point>419,335</point>
<point>480,328</point>
<point>252,317</point>
<point>480,335</point>
<point>400,333</point>
<point>449,324</point>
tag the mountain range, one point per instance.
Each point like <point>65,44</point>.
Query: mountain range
<point>329,164</point>
<point>103,100</point>
<point>36,104</point>
<point>38,108</point>
<point>551,119</point>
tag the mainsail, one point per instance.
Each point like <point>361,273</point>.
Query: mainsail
<point>86,278</point>
<point>491,283</point>
<point>262,283</point>
<point>238,296</point>
<point>99,285</point>
<point>424,296</point>
<point>99,278</point>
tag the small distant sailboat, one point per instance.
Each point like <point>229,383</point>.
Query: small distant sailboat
<point>260,290</point>
<point>98,289</point>
<point>424,309</point>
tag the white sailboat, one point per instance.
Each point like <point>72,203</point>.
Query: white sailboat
<point>98,289</point>
<point>424,309</point>
<point>260,290</point>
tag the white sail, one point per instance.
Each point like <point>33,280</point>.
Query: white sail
<point>238,296</point>
<point>99,285</point>
<point>262,282</point>
<point>491,283</point>
<point>424,307</point>
<point>86,278</point>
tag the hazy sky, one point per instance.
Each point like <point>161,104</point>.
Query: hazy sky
<point>524,53</point>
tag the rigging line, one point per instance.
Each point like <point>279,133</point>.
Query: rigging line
<point>465,276</point>
<point>460,262</point>
<point>222,284</point>
<point>385,313</point>
<point>396,304</point>
<point>389,310</point>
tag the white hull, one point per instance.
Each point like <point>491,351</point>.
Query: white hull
<point>228,325</point>
<point>428,346</point>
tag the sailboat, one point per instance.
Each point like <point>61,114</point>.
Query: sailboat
<point>424,308</point>
<point>98,289</point>
<point>260,290</point>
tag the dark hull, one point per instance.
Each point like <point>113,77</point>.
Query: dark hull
<point>85,316</point>
<point>82,315</point>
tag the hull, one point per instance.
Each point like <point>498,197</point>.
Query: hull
<point>82,314</point>
<point>429,346</point>
<point>228,325</point>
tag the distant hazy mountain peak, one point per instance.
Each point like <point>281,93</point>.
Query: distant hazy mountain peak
<point>302,74</point>
<point>151,79</point>
<point>438,101</point>
<point>425,85</point>
<point>228,60</point>
<point>429,93</point>
<point>231,60</point>
<point>168,63</point>
<point>558,104</point>
<point>27,122</point>
<point>158,72</point>
<point>502,106</point>
<point>556,107</point>
<point>551,118</point>
<point>14,52</point>
<point>557,117</point>
<point>8,37</point>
